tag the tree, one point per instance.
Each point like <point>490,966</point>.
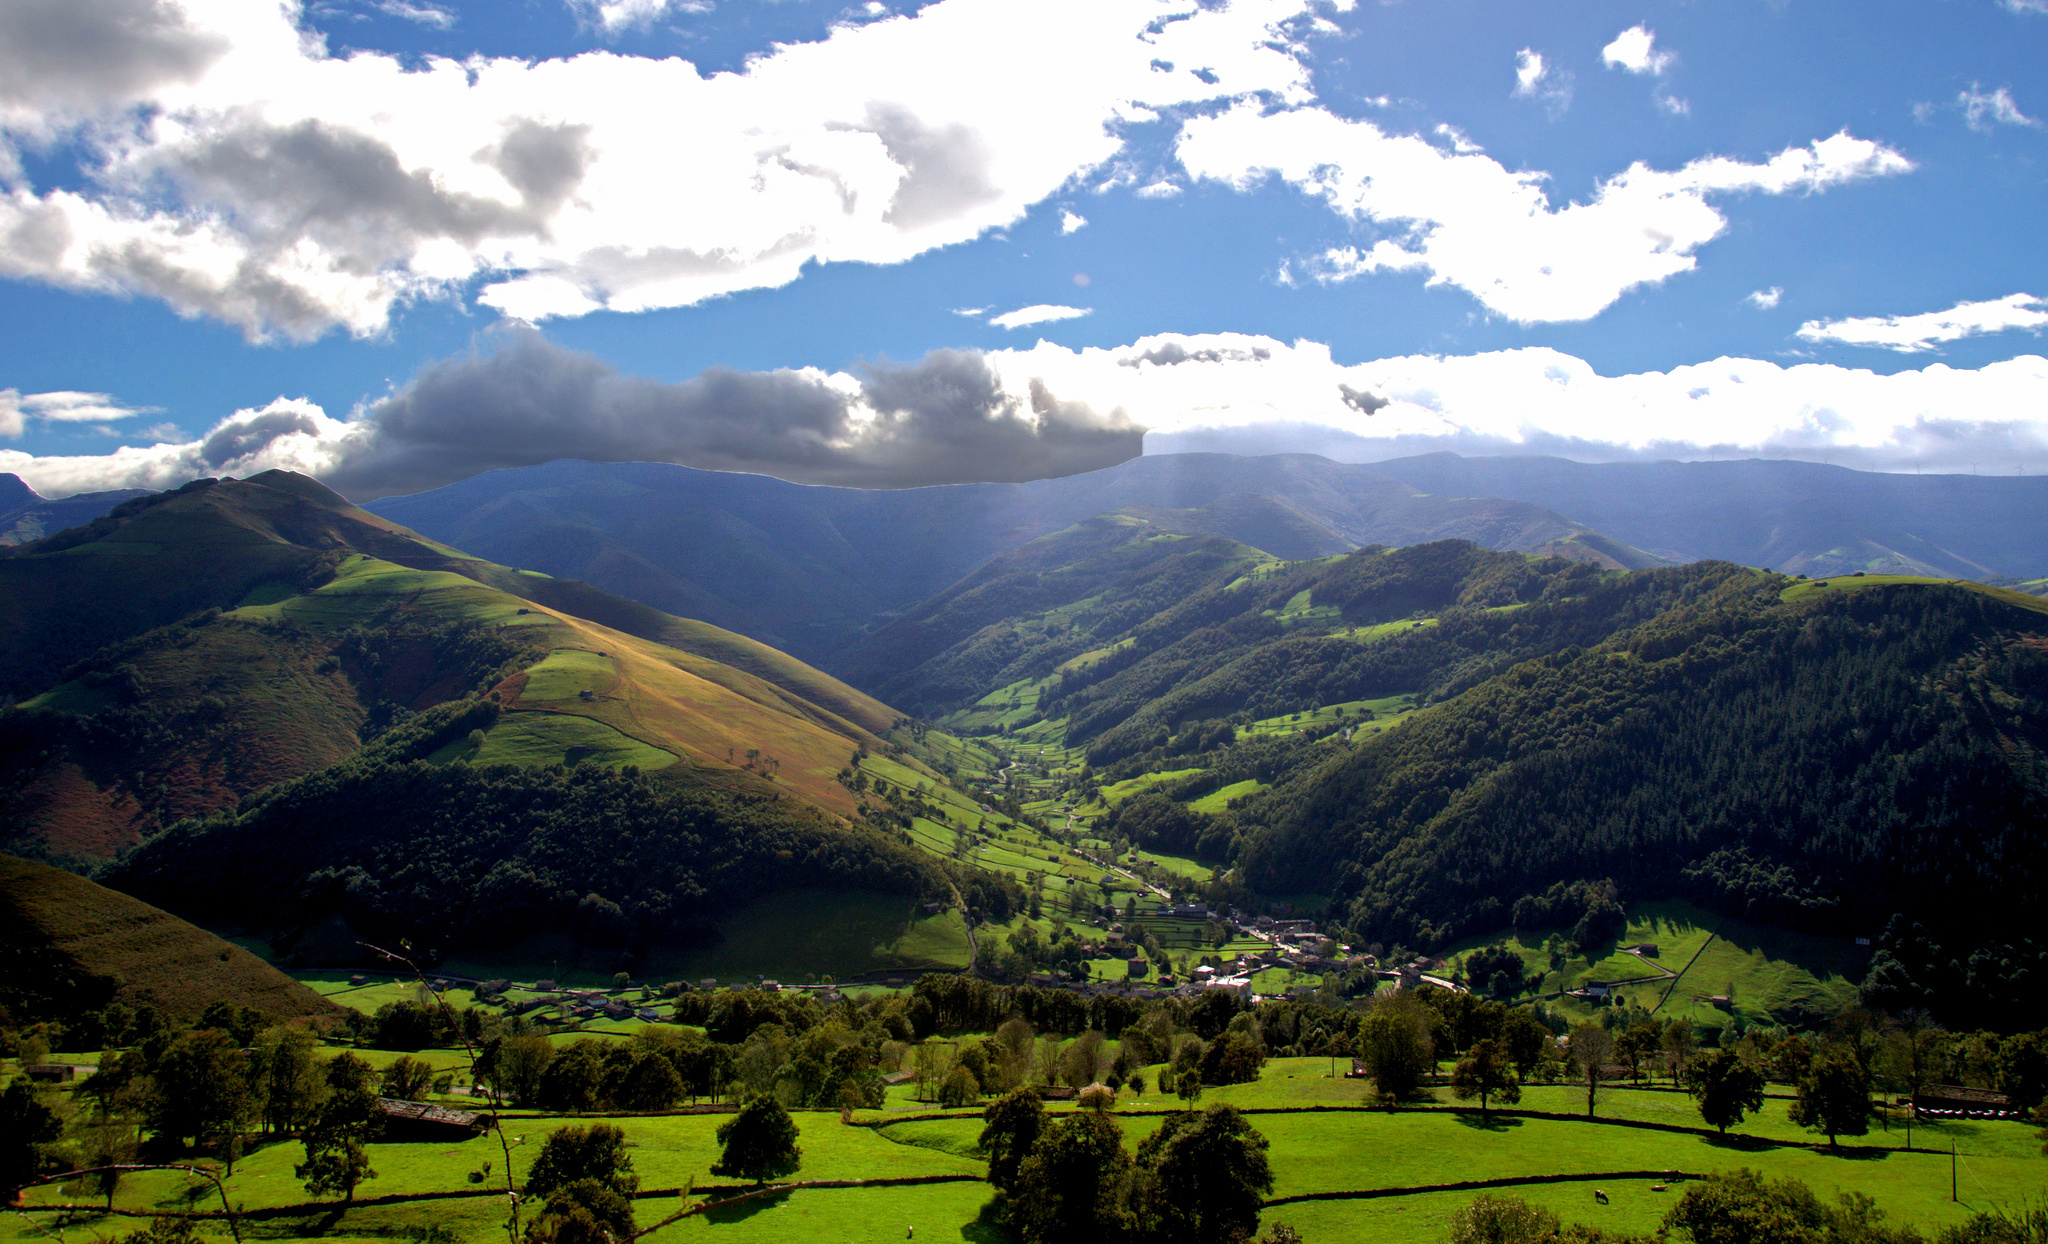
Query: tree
<point>1834,1097</point>
<point>582,1212</point>
<point>1397,1046</point>
<point>1484,1073</point>
<point>1912,1050</point>
<point>294,1077</point>
<point>759,1142</point>
<point>1071,1189</point>
<point>650,1083</point>
<point>593,1156</point>
<point>26,1125</point>
<point>1640,1041</point>
<point>1591,1047</point>
<point>1726,1086</point>
<point>960,1089</point>
<point>1790,1060</point>
<point>1206,1176</point>
<point>515,1067</point>
<point>407,1078</point>
<point>336,1159</point>
<point>1741,1207</point>
<point>1524,1038</point>
<point>202,1090</point>
<point>1011,1126</point>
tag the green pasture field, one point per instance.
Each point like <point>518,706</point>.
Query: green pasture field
<point>1811,588</point>
<point>543,738</point>
<point>1774,974</point>
<point>1998,1165</point>
<point>1218,800</point>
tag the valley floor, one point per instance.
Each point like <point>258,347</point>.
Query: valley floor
<point>1374,1174</point>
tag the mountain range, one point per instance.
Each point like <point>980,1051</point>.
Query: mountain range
<point>811,569</point>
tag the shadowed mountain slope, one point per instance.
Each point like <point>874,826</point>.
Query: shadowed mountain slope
<point>73,946</point>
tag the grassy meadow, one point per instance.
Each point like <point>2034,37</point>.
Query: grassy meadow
<point>1386,1157</point>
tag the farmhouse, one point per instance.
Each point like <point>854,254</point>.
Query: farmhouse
<point>418,1120</point>
<point>51,1072</point>
<point>1954,1101</point>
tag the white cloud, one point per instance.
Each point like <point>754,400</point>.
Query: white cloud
<point>1765,299</point>
<point>61,406</point>
<point>1982,109</point>
<point>425,14</point>
<point>1538,79</point>
<point>1507,401</point>
<point>1038,313</point>
<point>612,16</point>
<point>235,168</point>
<point>1465,220</point>
<point>1071,222</point>
<point>1674,106</point>
<point>159,433</point>
<point>2025,6</point>
<point>1635,50</point>
<point>1918,334</point>
<point>1157,190</point>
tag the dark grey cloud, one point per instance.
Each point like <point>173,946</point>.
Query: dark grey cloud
<point>943,420</point>
<point>1364,401</point>
<point>90,54</point>
<point>1173,353</point>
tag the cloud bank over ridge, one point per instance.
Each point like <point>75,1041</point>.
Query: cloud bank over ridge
<point>960,416</point>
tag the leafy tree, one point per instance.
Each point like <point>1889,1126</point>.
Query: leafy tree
<point>513,1066</point>
<point>594,1155</point>
<point>1525,1039</point>
<point>1727,1087</point>
<point>1741,1207</point>
<point>1791,1059</point>
<point>294,1077</point>
<point>1206,1176</point>
<point>407,1078</point>
<point>583,1211</point>
<point>1071,1189</point>
<point>1233,1058</point>
<point>960,1088</point>
<point>1834,1096</point>
<point>202,1089</point>
<point>1011,1126</point>
<point>1397,1046</point>
<point>1639,1041</point>
<point>2023,1069</point>
<point>26,1125</point>
<point>1494,970</point>
<point>336,1157</point>
<point>1502,1220</point>
<point>1591,1047</point>
<point>759,1142</point>
<point>650,1083</point>
<point>1485,1073</point>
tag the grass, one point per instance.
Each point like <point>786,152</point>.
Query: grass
<point>554,739</point>
<point>1775,976</point>
<point>1813,588</point>
<point>1999,1165</point>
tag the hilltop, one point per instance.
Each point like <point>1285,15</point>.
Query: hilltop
<point>73,947</point>
<point>194,647</point>
<point>811,569</point>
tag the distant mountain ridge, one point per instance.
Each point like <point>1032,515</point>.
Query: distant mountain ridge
<point>1796,517</point>
<point>26,514</point>
<point>811,569</point>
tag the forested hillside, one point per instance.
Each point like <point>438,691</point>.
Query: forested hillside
<point>1429,735</point>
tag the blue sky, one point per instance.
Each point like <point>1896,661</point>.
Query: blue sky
<point>292,212</point>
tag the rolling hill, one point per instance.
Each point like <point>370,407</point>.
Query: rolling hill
<point>811,569</point>
<point>194,647</point>
<point>72,946</point>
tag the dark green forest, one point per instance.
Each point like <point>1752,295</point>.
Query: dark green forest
<point>454,854</point>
